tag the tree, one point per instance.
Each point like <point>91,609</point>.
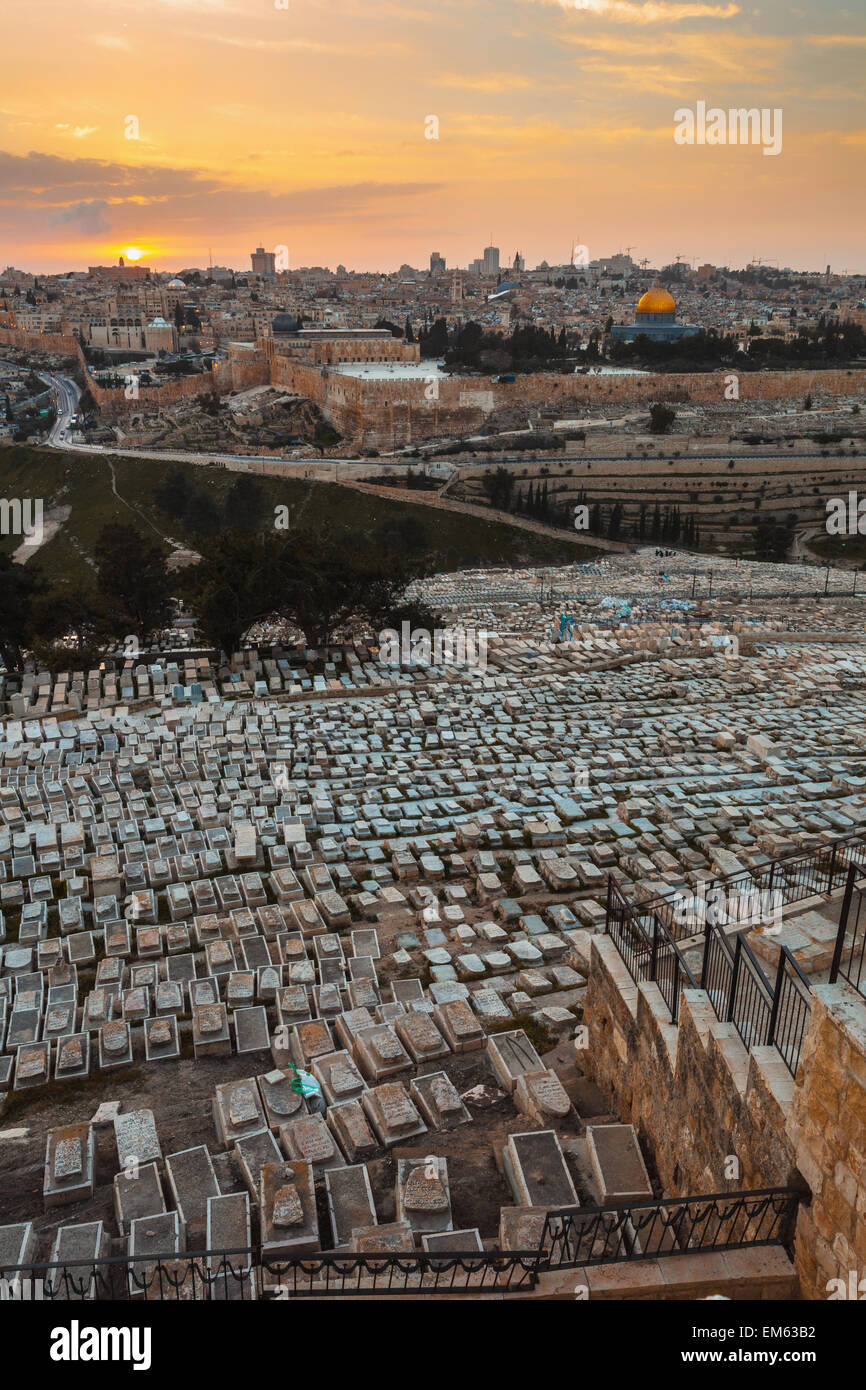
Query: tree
<point>20,586</point>
<point>71,609</point>
<point>245,504</point>
<point>434,343</point>
<point>174,494</point>
<point>132,578</point>
<point>661,418</point>
<point>316,580</point>
<point>498,483</point>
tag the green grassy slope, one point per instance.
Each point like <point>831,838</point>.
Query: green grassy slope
<point>84,483</point>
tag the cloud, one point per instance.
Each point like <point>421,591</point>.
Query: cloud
<point>112,43</point>
<point>90,195</point>
<point>493,82</point>
<point>649,12</point>
<point>89,218</point>
<point>842,40</point>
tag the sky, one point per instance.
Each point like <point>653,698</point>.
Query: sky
<point>370,134</point>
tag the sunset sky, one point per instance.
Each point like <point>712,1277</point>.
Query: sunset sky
<point>305,126</point>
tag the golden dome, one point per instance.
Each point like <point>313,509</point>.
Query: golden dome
<point>656,301</point>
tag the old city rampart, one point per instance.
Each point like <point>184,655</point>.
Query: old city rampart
<point>387,413</point>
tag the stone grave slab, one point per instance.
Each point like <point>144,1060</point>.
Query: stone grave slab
<point>161,1039</point>
<point>69,1166</point>
<point>280,1102</point>
<point>350,1202</point>
<point>149,1236</point>
<point>210,1031</point>
<point>338,1077</point>
<point>536,1171</point>
<point>459,1026</point>
<point>252,1154</point>
<point>617,1164</point>
<point>307,1139</point>
<point>137,1193</point>
<point>73,1245</point>
<point>238,1111</point>
<point>351,1129</point>
<point>191,1181</point>
<point>379,1053</point>
<point>394,1238</point>
<point>392,1114</point>
<point>438,1101</point>
<point>511,1055</point>
<point>251,1030</point>
<point>32,1065</point>
<point>136,1138</point>
<point>423,1195</point>
<point>421,1038</point>
<point>228,1228</point>
<point>290,1224</point>
<point>115,1045</point>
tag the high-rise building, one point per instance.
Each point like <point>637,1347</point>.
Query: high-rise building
<point>437,263</point>
<point>264,262</point>
<point>491,260</point>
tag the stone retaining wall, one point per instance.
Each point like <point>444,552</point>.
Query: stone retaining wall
<point>718,1118</point>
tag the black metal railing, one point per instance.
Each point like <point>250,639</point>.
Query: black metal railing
<point>763,1014</point>
<point>849,954</point>
<point>243,1275</point>
<point>575,1236</point>
<point>647,947</point>
<point>649,1230</point>
<point>787,880</point>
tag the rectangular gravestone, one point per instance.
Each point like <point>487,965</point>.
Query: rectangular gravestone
<point>536,1171</point>
<point>137,1193</point>
<point>228,1228</point>
<point>350,1202</point>
<point>617,1164</point>
<point>191,1181</point>
<point>290,1223</point>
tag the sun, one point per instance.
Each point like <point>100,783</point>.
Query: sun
<point>132,253</point>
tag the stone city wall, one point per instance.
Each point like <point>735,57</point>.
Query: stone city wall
<point>699,1100</point>
<point>398,411</point>
<point>39,342</point>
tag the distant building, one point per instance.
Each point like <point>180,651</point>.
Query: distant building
<point>121,271</point>
<point>656,318</point>
<point>490,264</point>
<point>437,263</point>
<point>264,263</point>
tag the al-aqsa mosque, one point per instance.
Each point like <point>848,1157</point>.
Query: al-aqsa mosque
<point>656,318</point>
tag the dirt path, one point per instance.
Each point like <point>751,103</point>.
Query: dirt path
<point>447,504</point>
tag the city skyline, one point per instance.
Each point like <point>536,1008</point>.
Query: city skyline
<point>368,133</point>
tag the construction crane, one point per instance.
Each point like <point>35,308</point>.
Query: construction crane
<point>756,260</point>
<point>678,257</point>
<point>644,263</point>
<point>629,249</point>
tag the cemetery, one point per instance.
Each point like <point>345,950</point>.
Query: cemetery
<point>313,956</point>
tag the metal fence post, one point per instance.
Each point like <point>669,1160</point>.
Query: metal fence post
<point>732,995</point>
<point>832,871</point>
<point>654,953</point>
<point>707,930</point>
<point>843,923</point>
<point>777,995</point>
